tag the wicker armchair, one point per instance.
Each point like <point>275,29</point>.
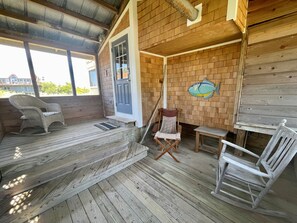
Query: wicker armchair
<point>36,112</point>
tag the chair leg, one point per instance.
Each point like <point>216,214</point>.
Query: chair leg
<point>167,150</point>
<point>162,147</point>
<point>220,177</point>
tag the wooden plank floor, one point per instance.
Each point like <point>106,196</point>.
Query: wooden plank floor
<point>166,191</point>
<point>14,148</point>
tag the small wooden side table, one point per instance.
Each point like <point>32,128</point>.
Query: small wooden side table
<point>210,132</point>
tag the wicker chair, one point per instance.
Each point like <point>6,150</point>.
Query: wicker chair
<point>36,112</point>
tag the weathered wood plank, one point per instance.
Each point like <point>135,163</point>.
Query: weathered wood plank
<point>288,111</point>
<point>263,10</point>
<point>161,196</point>
<point>280,100</point>
<point>272,89</point>
<point>267,120</point>
<point>273,29</point>
<point>62,213</point>
<point>60,167</point>
<point>77,211</point>
<point>262,58</point>
<point>140,209</point>
<point>50,194</point>
<point>274,67</point>
<point>209,204</point>
<point>47,217</point>
<point>58,147</point>
<point>108,210</point>
<point>272,78</point>
<point>240,140</point>
<point>275,45</point>
<point>147,199</point>
<point>91,208</point>
<point>123,208</point>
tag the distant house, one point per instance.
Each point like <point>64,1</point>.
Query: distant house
<point>16,84</point>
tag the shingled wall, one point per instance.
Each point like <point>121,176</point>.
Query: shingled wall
<point>151,73</point>
<point>219,65</point>
<point>159,22</point>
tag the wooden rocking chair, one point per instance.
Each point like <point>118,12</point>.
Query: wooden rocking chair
<point>169,135</point>
<point>243,183</point>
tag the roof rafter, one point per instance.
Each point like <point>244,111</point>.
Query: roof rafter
<point>42,41</point>
<point>42,23</point>
<point>108,6</point>
<point>71,13</point>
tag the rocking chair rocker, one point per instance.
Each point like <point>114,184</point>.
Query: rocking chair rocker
<point>243,183</point>
<point>169,135</point>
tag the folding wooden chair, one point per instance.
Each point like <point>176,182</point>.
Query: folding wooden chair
<point>243,183</point>
<point>169,135</point>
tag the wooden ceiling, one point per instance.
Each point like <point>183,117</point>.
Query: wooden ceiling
<point>79,25</point>
<point>219,33</point>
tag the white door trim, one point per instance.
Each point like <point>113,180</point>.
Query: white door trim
<point>134,64</point>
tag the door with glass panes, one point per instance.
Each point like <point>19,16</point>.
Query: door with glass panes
<point>120,57</point>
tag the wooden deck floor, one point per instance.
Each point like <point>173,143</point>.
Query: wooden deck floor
<point>166,191</point>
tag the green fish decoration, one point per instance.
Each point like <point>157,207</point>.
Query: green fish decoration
<point>204,89</point>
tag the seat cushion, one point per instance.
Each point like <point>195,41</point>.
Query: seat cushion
<point>175,136</point>
<point>46,114</point>
<point>168,125</point>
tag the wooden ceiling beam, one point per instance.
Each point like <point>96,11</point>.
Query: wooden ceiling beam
<point>42,41</point>
<point>41,23</point>
<point>107,6</point>
<point>185,8</point>
<point>71,13</point>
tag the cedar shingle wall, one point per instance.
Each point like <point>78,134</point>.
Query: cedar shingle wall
<point>159,22</point>
<point>151,68</point>
<point>106,80</point>
<point>123,24</point>
<point>105,70</point>
<point>219,65</point>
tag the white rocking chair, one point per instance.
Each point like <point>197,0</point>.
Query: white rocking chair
<point>243,183</point>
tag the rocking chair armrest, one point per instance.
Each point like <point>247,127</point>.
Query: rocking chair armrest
<point>239,148</point>
<point>245,167</point>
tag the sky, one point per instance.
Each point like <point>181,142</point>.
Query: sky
<point>52,67</point>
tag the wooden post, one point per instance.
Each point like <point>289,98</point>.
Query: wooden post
<point>31,68</point>
<point>98,72</point>
<point>185,8</point>
<point>243,51</point>
<point>240,140</point>
<point>71,72</point>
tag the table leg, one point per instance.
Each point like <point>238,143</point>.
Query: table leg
<point>197,142</point>
<point>220,147</point>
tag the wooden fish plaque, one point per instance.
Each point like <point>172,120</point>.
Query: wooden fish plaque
<point>204,89</point>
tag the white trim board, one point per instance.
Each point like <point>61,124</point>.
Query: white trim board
<point>134,59</point>
<point>114,27</point>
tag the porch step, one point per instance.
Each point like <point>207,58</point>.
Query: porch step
<point>24,206</point>
<point>120,121</point>
<point>53,148</point>
<point>27,179</point>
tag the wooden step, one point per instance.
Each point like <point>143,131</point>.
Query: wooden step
<point>51,148</point>
<point>24,180</point>
<point>120,121</point>
<point>26,205</point>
